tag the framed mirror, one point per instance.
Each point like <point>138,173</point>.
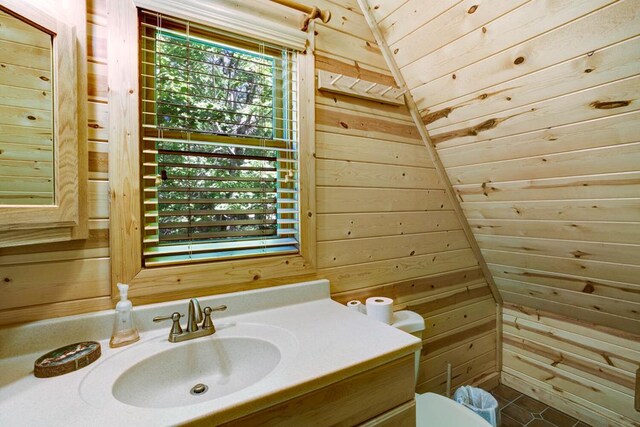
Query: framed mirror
<point>26,113</point>
<point>39,143</point>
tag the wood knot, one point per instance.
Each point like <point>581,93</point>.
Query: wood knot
<point>588,70</point>
<point>256,277</point>
<point>44,79</point>
<point>436,115</point>
<point>31,117</point>
<point>486,125</point>
<point>608,105</point>
<point>344,125</point>
<point>519,60</point>
<point>395,51</point>
<point>6,280</point>
<point>453,76</point>
<point>472,9</point>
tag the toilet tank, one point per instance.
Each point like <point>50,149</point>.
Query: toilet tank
<point>411,323</point>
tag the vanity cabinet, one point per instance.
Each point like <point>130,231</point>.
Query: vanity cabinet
<point>381,396</point>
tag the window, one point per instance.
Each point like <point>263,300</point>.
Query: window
<point>219,141</point>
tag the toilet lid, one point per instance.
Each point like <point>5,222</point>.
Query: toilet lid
<point>433,410</point>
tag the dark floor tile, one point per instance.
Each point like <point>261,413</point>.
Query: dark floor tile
<point>502,402</point>
<point>531,405</point>
<point>509,422</point>
<point>507,393</point>
<point>558,418</point>
<point>517,413</point>
<point>540,423</point>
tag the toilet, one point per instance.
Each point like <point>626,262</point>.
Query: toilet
<point>433,410</point>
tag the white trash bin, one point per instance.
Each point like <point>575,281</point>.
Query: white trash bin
<point>479,401</point>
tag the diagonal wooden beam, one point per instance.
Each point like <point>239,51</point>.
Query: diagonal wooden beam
<point>417,119</point>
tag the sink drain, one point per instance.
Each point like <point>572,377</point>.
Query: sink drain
<point>199,389</point>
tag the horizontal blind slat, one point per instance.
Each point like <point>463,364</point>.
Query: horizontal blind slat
<point>199,166</point>
<point>192,138</point>
<point>219,246</point>
<point>219,256</point>
<point>212,212</point>
<point>215,155</point>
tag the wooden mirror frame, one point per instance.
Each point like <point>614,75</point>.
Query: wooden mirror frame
<point>66,219</point>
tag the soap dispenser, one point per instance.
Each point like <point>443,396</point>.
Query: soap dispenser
<point>124,331</point>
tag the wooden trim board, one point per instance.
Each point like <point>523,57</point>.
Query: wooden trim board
<point>426,139</point>
<point>126,230</point>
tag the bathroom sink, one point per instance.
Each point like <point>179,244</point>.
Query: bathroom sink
<point>200,370</point>
<point>159,374</point>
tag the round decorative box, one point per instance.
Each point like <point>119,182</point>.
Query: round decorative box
<point>66,359</point>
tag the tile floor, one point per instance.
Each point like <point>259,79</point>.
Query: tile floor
<point>518,410</point>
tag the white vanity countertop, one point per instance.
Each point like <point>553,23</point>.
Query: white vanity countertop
<point>333,343</point>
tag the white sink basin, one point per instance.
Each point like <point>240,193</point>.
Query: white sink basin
<point>211,367</point>
<point>159,374</point>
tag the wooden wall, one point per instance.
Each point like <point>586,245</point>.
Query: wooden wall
<point>582,368</point>
<point>533,107</point>
<point>55,279</point>
<point>26,119</point>
<point>385,226</point>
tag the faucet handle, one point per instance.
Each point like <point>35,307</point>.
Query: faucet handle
<point>176,329</point>
<point>208,323</point>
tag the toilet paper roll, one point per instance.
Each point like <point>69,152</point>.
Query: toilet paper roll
<point>356,305</point>
<point>380,308</point>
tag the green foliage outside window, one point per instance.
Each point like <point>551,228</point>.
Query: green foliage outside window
<point>211,192</point>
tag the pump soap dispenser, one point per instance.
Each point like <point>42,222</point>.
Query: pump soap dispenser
<point>124,331</point>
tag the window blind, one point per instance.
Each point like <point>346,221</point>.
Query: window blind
<point>219,144</point>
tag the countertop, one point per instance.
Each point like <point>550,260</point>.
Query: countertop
<point>333,343</point>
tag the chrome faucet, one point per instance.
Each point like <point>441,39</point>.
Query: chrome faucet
<point>176,334</point>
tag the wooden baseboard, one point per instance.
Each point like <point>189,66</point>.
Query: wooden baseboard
<point>488,381</point>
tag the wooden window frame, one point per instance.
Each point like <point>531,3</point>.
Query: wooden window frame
<point>126,222</point>
<point>67,218</point>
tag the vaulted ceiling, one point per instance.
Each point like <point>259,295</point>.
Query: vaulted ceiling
<point>533,109</point>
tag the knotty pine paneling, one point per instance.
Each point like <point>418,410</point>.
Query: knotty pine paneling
<point>533,108</point>
<point>584,369</point>
<point>385,225</point>
<point>26,116</point>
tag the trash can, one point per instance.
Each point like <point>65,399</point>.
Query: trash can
<point>479,401</point>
